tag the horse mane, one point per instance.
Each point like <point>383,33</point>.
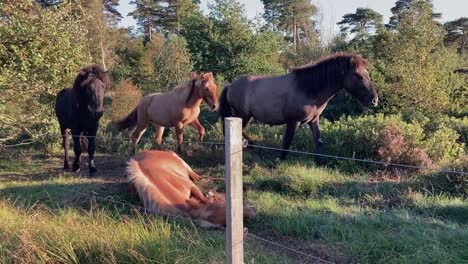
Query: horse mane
<point>327,72</point>
<point>91,74</point>
<point>182,88</point>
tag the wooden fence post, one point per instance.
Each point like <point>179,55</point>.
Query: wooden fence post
<point>234,205</point>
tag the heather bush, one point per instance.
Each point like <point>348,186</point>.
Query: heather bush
<point>124,99</point>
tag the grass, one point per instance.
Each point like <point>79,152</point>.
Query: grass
<point>344,217</point>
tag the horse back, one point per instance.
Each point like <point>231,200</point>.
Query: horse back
<point>161,181</point>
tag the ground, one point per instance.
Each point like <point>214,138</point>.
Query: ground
<point>342,217</point>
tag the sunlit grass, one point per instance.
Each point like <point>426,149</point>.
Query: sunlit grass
<point>50,216</point>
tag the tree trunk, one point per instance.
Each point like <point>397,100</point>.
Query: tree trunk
<point>150,29</point>
<point>294,33</point>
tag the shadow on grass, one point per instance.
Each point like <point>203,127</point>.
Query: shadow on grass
<point>385,237</point>
<point>82,196</point>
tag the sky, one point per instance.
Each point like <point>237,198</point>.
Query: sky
<point>331,11</point>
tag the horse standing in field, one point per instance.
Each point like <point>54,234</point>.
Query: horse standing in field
<point>174,109</point>
<point>79,109</point>
<point>164,183</point>
<point>298,97</point>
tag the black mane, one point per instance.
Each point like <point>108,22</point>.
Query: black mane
<point>91,74</point>
<point>328,73</point>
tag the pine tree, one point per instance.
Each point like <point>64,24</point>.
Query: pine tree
<point>457,34</point>
<point>293,18</point>
<point>409,10</point>
<point>363,23</point>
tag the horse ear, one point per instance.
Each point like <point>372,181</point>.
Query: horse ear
<point>208,75</point>
<point>88,80</point>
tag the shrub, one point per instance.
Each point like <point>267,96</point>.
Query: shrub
<point>124,100</point>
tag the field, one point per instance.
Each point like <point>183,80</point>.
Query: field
<point>340,216</point>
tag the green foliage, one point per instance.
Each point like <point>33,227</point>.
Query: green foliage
<point>409,10</point>
<point>362,23</point>
<point>416,70</point>
<point>457,34</point>
<point>173,64</point>
<point>293,18</point>
<point>41,51</point>
<point>225,44</point>
<point>362,137</point>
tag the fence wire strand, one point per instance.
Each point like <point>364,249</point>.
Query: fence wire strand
<point>252,236</point>
<point>255,237</point>
<point>407,166</point>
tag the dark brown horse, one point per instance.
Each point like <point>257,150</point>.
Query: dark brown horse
<point>79,109</point>
<point>298,97</point>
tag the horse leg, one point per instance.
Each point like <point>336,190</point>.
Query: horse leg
<point>91,149</point>
<point>180,138</point>
<point>77,149</point>
<point>159,134</point>
<point>315,128</point>
<point>291,129</point>
<point>66,146</point>
<point>245,123</point>
<point>136,135</point>
<point>197,194</point>
<point>201,130</point>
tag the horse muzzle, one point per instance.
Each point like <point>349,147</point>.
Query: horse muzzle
<point>99,114</point>
<point>213,107</point>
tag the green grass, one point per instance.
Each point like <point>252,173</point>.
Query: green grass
<point>50,216</point>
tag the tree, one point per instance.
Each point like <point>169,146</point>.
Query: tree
<point>173,64</point>
<point>163,16</point>
<point>148,15</point>
<point>457,34</point>
<point>176,11</point>
<point>413,70</point>
<point>42,51</point>
<point>410,10</point>
<point>110,6</point>
<point>100,22</point>
<point>291,17</point>
<point>225,43</point>
<point>363,23</point>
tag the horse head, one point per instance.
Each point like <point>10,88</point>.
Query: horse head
<point>91,83</point>
<point>357,81</point>
<point>211,214</point>
<point>206,87</point>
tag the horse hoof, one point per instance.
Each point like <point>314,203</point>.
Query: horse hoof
<point>66,168</point>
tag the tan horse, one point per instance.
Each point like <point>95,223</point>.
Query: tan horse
<point>174,109</point>
<point>164,183</point>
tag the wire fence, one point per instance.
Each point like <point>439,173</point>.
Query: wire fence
<point>248,235</point>
<point>175,217</point>
<point>336,157</point>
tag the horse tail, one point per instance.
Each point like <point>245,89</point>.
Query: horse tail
<point>141,184</point>
<point>145,188</point>
<point>225,109</point>
<point>129,121</point>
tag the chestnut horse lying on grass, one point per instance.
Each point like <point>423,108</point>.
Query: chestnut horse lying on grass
<point>174,109</point>
<point>164,182</point>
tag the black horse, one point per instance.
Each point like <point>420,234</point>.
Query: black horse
<point>79,109</point>
<point>298,97</point>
